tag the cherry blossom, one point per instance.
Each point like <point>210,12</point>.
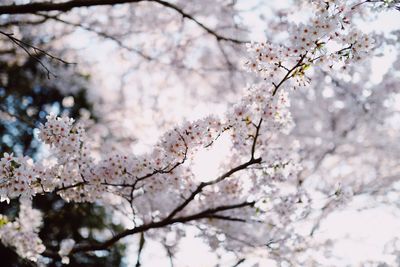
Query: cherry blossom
<point>281,148</point>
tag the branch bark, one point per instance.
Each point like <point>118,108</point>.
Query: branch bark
<point>154,225</point>
<point>33,8</point>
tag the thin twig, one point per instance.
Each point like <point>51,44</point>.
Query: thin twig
<point>289,74</point>
<point>37,52</point>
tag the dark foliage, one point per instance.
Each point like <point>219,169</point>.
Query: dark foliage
<point>19,92</point>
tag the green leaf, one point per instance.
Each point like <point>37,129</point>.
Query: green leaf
<point>3,221</point>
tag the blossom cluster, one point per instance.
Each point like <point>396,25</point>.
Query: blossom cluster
<point>17,177</point>
<point>326,40</point>
<point>22,234</point>
<point>152,182</point>
<point>63,136</point>
<point>156,183</point>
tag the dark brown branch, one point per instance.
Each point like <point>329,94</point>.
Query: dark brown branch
<point>154,225</point>
<point>211,213</point>
<point>289,74</point>
<point>62,188</point>
<point>141,246</point>
<point>201,186</point>
<point>253,147</point>
<point>204,27</point>
<point>239,262</point>
<point>33,8</point>
<point>226,218</point>
<point>23,22</point>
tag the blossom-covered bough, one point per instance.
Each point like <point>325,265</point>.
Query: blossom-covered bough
<point>257,199</point>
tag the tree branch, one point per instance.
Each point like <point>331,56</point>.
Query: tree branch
<point>289,74</point>
<point>100,34</point>
<point>239,262</point>
<point>243,166</point>
<point>199,189</point>
<point>253,147</point>
<point>153,225</point>
<point>37,52</point>
<point>33,8</point>
<point>207,29</point>
<point>141,245</point>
